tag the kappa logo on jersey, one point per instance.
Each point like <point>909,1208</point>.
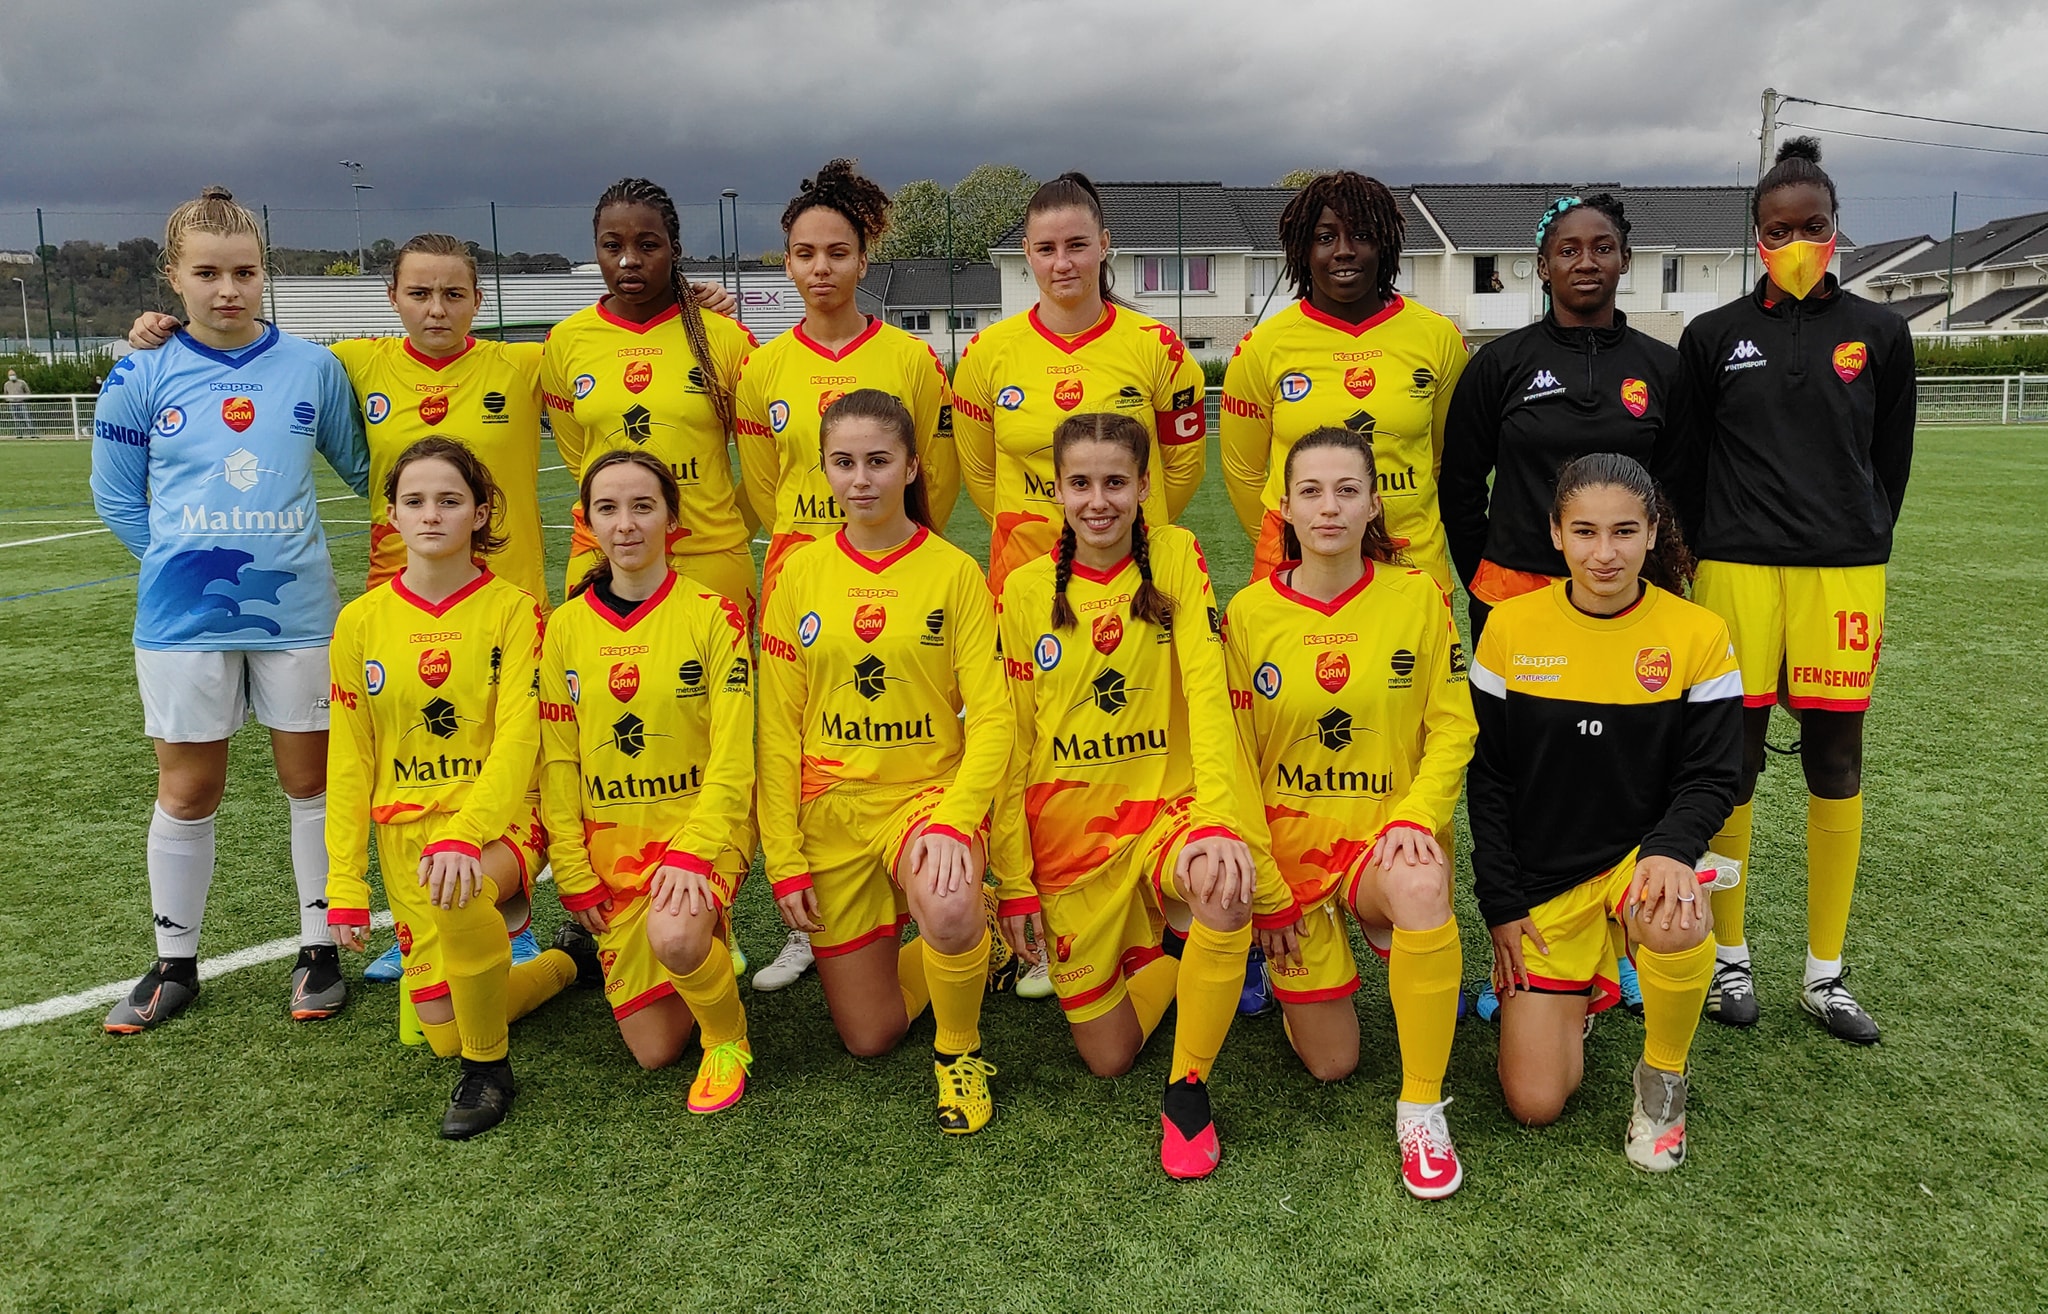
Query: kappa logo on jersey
<point>868,620</point>
<point>373,677</point>
<point>1333,670</point>
<point>1267,681</point>
<point>237,413</point>
<point>1744,357</point>
<point>778,415</point>
<point>1635,396</point>
<point>637,376</point>
<point>934,627</point>
<point>1544,379</point>
<point>1010,398</point>
<point>629,735</point>
<point>1653,668</point>
<point>434,409</point>
<point>807,629</point>
<point>1333,728</point>
<point>575,683</point>
<point>439,718</point>
<point>1293,387</point>
<point>1359,380</point>
<point>435,663</point>
<point>1109,691</point>
<point>870,677</point>
<point>1109,632</point>
<point>625,680</point>
<point>637,423</point>
<point>1850,358</point>
<point>1067,395</point>
<point>1046,652</point>
<point>169,421</point>
<point>584,383</point>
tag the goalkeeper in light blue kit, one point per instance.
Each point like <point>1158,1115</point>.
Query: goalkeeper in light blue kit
<point>202,466</point>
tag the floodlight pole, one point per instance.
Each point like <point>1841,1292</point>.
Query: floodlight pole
<point>356,188</point>
<point>497,272</point>
<point>739,302</point>
<point>952,309</point>
<point>49,306</point>
<point>1950,308</point>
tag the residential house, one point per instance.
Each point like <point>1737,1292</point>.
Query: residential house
<point>943,302</point>
<point>2000,277</point>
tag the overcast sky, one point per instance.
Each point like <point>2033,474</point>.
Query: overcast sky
<point>127,107</point>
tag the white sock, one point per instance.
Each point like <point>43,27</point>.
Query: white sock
<point>309,866</point>
<point>1732,953</point>
<point>1821,969</point>
<point>180,873</point>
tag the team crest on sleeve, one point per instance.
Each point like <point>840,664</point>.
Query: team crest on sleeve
<point>1010,398</point>
<point>1635,396</point>
<point>778,415</point>
<point>373,676</point>
<point>376,408</point>
<point>1293,387</point>
<point>169,421</point>
<point>584,383</point>
<point>1047,652</point>
<point>575,683</point>
<point>1850,358</point>
<point>1653,668</point>
<point>807,629</point>
<point>1267,681</point>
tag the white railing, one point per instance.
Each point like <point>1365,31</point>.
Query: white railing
<point>1983,399</point>
<point>1498,310</point>
<point>48,415</point>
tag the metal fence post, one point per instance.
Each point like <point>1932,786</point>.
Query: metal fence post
<point>75,430</point>
<point>2005,400</point>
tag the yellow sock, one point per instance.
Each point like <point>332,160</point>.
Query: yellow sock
<point>910,978</point>
<point>957,982</point>
<point>479,962</point>
<point>1211,979</point>
<point>1674,991</point>
<point>444,1038</point>
<point>1732,842</point>
<point>537,980</point>
<point>713,994</point>
<point>1834,843</point>
<point>1422,982</point>
<point>1151,990</point>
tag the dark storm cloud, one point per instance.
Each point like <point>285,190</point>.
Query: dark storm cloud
<point>130,106</point>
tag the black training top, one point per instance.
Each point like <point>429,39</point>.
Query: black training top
<point>1532,401</point>
<point>1803,437</point>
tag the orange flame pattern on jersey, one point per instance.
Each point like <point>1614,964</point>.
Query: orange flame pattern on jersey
<point>817,777</point>
<point>1007,548</point>
<point>1064,846</point>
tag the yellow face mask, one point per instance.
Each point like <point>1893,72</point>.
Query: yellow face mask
<point>1798,267</point>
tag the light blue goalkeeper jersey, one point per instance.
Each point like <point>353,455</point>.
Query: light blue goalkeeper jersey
<point>202,464</point>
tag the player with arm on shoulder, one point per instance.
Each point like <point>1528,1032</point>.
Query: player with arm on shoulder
<point>1359,772</point>
<point>1081,348</point>
<point>436,740</point>
<point>647,720</point>
<point>1805,414</point>
<point>202,466</point>
<point>885,733</point>
<point>1128,802</point>
<point>1352,352</point>
<point>1610,742</point>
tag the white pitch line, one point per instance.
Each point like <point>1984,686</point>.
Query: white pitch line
<point>546,468</point>
<point>339,497</point>
<point>17,524</point>
<point>52,538</point>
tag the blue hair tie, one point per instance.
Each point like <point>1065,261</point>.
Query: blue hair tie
<point>1553,214</point>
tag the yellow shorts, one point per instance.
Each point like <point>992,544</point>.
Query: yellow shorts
<point>399,849</point>
<point>1328,968</point>
<point>729,574</point>
<point>1823,624</point>
<point>633,976</point>
<point>1583,928</point>
<point>854,837</point>
<point>1268,552</point>
<point>1108,926</point>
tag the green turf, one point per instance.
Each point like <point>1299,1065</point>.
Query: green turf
<point>236,1160</point>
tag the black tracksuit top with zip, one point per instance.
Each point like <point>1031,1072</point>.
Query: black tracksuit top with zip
<point>1803,438</point>
<point>1530,402</point>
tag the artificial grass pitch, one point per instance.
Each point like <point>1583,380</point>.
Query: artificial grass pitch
<point>237,1160</point>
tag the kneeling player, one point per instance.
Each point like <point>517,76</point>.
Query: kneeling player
<point>647,712</point>
<point>1360,770</point>
<point>1610,744</point>
<point>1127,771</point>
<point>885,733</point>
<point>435,737</point>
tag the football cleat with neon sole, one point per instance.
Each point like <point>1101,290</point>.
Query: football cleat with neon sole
<point>155,1000</point>
<point>1631,986</point>
<point>1429,1161</point>
<point>1035,981</point>
<point>965,1105</point>
<point>1189,1148</point>
<point>1656,1129</point>
<point>318,991</point>
<point>721,1077</point>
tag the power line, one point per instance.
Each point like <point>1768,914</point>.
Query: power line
<point>1921,118</point>
<point>1915,141</point>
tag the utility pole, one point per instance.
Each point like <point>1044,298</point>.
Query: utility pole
<point>356,188</point>
<point>1180,281</point>
<point>1950,308</point>
<point>952,312</point>
<point>269,283</point>
<point>24,313</point>
<point>497,272</point>
<point>740,306</point>
<point>49,307</point>
<point>1767,138</point>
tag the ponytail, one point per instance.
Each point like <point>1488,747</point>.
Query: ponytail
<point>1063,571</point>
<point>1074,190</point>
<point>1148,604</point>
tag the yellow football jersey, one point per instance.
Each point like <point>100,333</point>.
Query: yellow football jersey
<point>1389,378</point>
<point>783,391</point>
<point>866,667</point>
<point>1118,719</point>
<point>431,718</point>
<point>1354,712</point>
<point>487,397</point>
<point>609,382</point>
<point>1017,380</point>
<point>647,740</point>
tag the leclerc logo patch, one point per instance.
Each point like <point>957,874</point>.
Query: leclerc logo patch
<point>1850,358</point>
<point>373,676</point>
<point>1293,387</point>
<point>238,413</point>
<point>1635,396</point>
<point>1267,681</point>
<point>807,629</point>
<point>584,383</point>
<point>1653,668</point>
<point>778,415</point>
<point>1010,398</point>
<point>376,408</point>
<point>1046,652</point>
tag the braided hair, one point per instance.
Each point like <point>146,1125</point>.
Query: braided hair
<point>1363,205</point>
<point>1798,162</point>
<point>1074,190</point>
<point>884,409</point>
<point>840,188</point>
<point>1377,543</point>
<point>639,191</point>
<point>671,495</point>
<point>1149,603</point>
<point>1606,203</point>
<point>1670,564</point>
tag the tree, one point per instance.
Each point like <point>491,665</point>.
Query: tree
<point>343,268</point>
<point>986,203</point>
<point>917,223</point>
<point>1299,178</point>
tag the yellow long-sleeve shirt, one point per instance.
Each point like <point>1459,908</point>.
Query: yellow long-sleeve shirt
<point>432,722</point>
<point>867,665</point>
<point>647,740</point>
<point>1017,380</point>
<point>1355,713</point>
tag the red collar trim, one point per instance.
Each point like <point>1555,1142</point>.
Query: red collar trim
<point>437,363</point>
<point>618,321</point>
<point>445,605</point>
<point>1330,608</point>
<point>874,327</point>
<point>1072,345</point>
<point>876,565</point>
<point>1094,576</point>
<point>1391,309</point>
<point>634,617</point>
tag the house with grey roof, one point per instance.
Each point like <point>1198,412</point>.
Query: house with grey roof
<point>2000,272</point>
<point>943,302</point>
